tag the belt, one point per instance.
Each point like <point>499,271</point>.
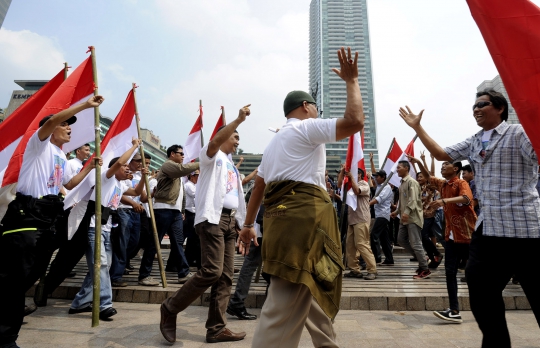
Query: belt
<point>226,211</point>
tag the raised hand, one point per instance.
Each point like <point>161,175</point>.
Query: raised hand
<point>370,155</point>
<point>244,112</point>
<point>135,141</point>
<point>348,67</point>
<point>411,119</point>
<point>95,101</point>
<point>422,155</point>
<point>413,159</point>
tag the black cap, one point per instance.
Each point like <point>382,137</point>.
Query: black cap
<point>380,173</point>
<point>70,120</point>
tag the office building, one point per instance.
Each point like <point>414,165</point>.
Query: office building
<point>4,6</point>
<point>335,24</point>
<point>497,85</point>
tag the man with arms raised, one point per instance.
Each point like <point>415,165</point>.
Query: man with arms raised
<point>220,211</point>
<point>505,166</point>
<point>301,246</point>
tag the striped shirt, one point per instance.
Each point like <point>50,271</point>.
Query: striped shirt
<point>505,180</point>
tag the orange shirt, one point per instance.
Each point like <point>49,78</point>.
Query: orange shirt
<point>460,219</point>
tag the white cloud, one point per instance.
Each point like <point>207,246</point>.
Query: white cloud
<point>26,55</point>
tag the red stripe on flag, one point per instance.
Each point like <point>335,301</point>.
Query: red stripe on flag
<point>220,123</point>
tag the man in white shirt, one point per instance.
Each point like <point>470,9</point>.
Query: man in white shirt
<point>28,225</point>
<point>220,210</point>
<point>193,244</point>
<point>300,221</point>
<point>74,165</point>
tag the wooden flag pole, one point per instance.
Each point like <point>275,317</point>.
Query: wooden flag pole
<point>388,153</point>
<point>97,190</point>
<point>150,203</point>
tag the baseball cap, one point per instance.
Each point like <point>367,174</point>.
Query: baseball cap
<point>70,120</point>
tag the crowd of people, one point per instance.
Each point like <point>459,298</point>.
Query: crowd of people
<point>477,212</point>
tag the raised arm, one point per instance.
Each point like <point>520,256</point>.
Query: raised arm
<point>423,169</point>
<point>48,128</point>
<point>225,133</point>
<point>372,164</point>
<point>432,164</point>
<point>76,180</point>
<point>124,158</point>
<point>413,121</point>
<point>240,162</point>
<point>250,176</point>
<point>353,119</point>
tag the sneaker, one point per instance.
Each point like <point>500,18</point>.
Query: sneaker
<point>352,274</point>
<point>423,274</point>
<point>370,276</point>
<point>119,284</point>
<point>148,281</point>
<point>436,262</point>
<point>449,315</point>
<point>387,263</point>
<point>185,279</point>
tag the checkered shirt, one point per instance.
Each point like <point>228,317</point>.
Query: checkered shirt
<point>505,181</point>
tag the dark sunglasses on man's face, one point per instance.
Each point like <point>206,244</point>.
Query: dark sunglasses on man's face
<point>181,153</point>
<point>481,104</point>
<point>316,107</point>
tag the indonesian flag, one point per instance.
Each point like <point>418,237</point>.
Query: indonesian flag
<point>194,141</point>
<point>77,88</point>
<point>353,161</point>
<point>394,157</point>
<point>511,29</point>
<point>14,127</point>
<point>220,123</point>
<point>114,144</point>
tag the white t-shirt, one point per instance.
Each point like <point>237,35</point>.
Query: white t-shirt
<point>111,193</point>
<point>191,189</point>
<point>212,188</point>
<point>231,194</point>
<point>132,183</point>
<point>297,152</point>
<point>42,169</point>
<point>177,205</point>
<point>73,167</point>
<point>486,137</point>
<point>153,183</point>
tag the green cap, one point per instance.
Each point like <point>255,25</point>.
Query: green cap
<point>295,99</point>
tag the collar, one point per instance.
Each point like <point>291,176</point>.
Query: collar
<point>293,120</point>
<point>499,129</point>
<point>407,178</point>
<point>455,178</point>
<point>78,160</point>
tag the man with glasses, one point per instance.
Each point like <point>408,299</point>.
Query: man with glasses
<point>168,207</point>
<point>505,166</point>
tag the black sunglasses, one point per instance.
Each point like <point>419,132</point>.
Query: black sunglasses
<point>181,153</point>
<point>481,104</point>
<point>316,107</point>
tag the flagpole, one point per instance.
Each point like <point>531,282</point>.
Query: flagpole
<point>388,153</point>
<point>223,115</point>
<point>149,195</point>
<point>391,173</point>
<point>97,190</point>
<point>40,288</point>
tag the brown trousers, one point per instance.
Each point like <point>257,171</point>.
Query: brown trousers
<point>217,269</point>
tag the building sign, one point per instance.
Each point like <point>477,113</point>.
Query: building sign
<point>22,96</point>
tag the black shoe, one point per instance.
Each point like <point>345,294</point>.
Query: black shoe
<point>241,313</point>
<point>126,272</point>
<point>414,259</point>
<point>10,345</point>
<point>80,310</point>
<point>130,267</point>
<point>464,279</point>
<point>29,309</point>
<point>387,263</point>
<point>449,315</point>
<point>40,300</point>
<point>363,267</point>
<point>352,274</point>
<point>72,275</point>
<point>107,313</point>
<point>171,269</point>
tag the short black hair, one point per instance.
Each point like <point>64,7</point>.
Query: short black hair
<point>405,164</point>
<point>220,128</point>
<point>467,168</point>
<point>361,172</point>
<point>147,156</point>
<point>497,99</point>
<point>458,165</point>
<point>80,147</point>
<point>113,161</point>
<point>173,148</point>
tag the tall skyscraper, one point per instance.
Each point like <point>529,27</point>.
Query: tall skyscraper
<point>4,5</point>
<point>334,24</point>
<point>497,85</point>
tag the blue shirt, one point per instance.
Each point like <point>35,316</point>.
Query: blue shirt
<point>384,200</point>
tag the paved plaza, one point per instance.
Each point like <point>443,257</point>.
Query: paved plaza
<point>137,325</point>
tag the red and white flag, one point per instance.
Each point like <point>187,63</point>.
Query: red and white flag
<point>14,127</point>
<point>194,141</point>
<point>511,30</point>
<point>220,123</point>
<point>77,88</point>
<point>394,157</point>
<point>353,161</point>
<point>115,143</point>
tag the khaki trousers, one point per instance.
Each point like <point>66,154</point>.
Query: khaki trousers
<point>217,269</point>
<point>358,244</point>
<point>287,309</point>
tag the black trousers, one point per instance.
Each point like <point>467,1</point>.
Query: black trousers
<point>193,244</point>
<point>428,245</point>
<point>380,238</point>
<point>454,252</point>
<point>18,252</point>
<point>487,277</point>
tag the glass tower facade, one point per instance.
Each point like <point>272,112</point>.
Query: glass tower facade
<point>333,24</point>
<point>497,85</point>
<point>4,5</point>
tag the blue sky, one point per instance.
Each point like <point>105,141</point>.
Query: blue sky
<point>427,54</point>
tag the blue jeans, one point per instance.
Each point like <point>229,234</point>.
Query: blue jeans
<point>84,296</point>
<point>167,221</point>
<point>126,241</point>
<point>251,262</point>
<point>439,226</point>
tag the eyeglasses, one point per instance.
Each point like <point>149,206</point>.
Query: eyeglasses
<point>181,153</point>
<point>481,104</point>
<point>316,107</point>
